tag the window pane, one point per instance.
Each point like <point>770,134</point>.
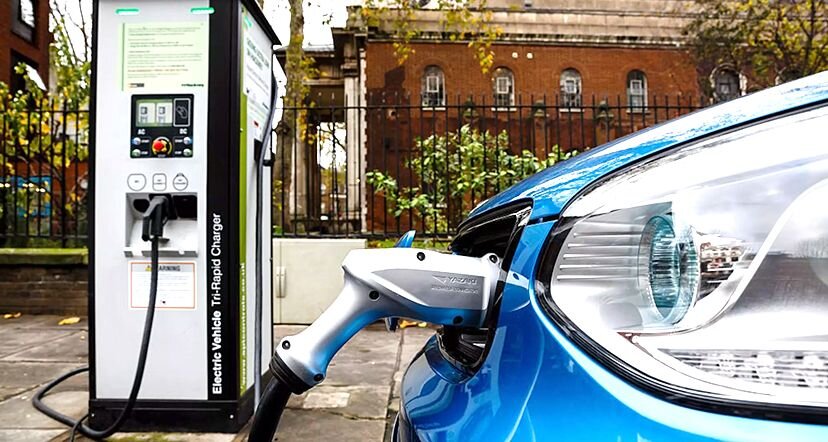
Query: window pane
<point>504,85</point>
<point>27,12</point>
<point>432,83</point>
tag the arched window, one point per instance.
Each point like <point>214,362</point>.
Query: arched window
<point>726,84</point>
<point>433,87</point>
<point>571,88</point>
<point>503,82</point>
<point>637,91</point>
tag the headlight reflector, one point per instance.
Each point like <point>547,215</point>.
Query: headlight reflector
<point>668,268</point>
<point>706,269</point>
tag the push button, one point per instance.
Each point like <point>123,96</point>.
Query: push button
<point>180,182</point>
<point>161,145</point>
<point>136,181</point>
<point>159,182</point>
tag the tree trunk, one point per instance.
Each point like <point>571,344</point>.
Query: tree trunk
<point>290,125</point>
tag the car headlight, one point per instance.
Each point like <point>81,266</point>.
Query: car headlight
<point>704,272</point>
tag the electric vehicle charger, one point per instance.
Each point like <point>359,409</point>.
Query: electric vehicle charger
<point>424,285</point>
<point>155,215</point>
<point>154,218</point>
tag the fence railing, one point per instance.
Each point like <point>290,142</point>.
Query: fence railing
<point>380,165</point>
<point>43,175</point>
<point>372,167</point>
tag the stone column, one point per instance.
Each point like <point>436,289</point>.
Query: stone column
<point>355,142</point>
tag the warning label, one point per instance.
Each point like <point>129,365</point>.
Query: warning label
<point>176,285</point>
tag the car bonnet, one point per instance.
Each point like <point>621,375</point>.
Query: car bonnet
<point>551,189</point>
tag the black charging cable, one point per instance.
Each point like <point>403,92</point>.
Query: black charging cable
<point>261,162</point>
<point>154,219</point>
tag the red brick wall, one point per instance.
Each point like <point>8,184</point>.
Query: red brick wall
<point>603,69</point>
<point>38,51</point>
<point>392,126</point>
<point>44,289</point>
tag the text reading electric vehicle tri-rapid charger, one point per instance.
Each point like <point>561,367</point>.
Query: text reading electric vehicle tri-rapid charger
<point>182,100</point>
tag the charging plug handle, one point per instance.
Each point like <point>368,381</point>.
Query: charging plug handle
<point>155,217</point>
<point>423,285</point>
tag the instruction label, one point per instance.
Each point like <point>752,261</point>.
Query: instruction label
<point>176,285</point>
<point>257,72</point>
<point>164,55</point>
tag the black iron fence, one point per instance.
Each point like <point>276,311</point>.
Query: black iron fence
<point>43,175</point>
<point>381,165</point>
<point>373,167</point>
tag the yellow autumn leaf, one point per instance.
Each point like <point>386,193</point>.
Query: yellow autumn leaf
<point>69,321</point>
<point>12,315</point>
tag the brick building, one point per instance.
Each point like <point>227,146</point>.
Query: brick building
<point>567,75</point>
<point>24,38</point>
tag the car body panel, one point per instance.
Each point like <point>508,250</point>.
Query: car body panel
<point>537,385</point>
<point>552,188</point>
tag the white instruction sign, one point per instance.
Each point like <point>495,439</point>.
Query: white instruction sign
<point>164,55</point>
<point>176,285</point>
<point>257,72</point>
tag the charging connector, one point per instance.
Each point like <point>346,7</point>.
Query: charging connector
<point>155,216</point>
<point>424,285</point>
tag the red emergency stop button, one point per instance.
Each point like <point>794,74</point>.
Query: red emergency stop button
<point>161,145</point>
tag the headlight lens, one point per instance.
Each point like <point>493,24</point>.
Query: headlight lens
<point>706,269</point>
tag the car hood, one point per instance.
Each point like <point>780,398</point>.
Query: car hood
<point>551,189</point>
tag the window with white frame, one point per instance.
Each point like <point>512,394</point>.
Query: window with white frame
<point>504,88</point>
<point>726,84</point>
<point>433,87</point>
<point>637,91</point>
<point>571,89</point>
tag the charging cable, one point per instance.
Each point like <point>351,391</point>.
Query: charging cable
<point>154,219</point>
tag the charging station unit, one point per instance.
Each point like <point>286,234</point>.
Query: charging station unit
<point>181,93</point>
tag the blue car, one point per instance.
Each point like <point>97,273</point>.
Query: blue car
<point>670,285</point>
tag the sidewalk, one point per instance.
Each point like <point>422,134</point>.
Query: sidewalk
<point>357,402</point>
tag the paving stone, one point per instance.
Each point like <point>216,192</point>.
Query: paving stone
<point>17,377</point>
<point>331,399</point>
<point>72,348</point>
<point>37,350</point>
<point>13,339</point>
<point>394,405</point>
<point>51,321</point>
<point>79,382</point>
<point>30,435</point>
<point>370,373</point>
<point>18,413</point>
<point>306,425</point>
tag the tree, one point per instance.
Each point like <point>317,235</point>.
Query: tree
<point>292,126</point>
<point>455,170</point>
<point>46,134</point>
<point>459,20</point>
<point>767,41</point>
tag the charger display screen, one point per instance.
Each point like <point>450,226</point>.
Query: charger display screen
<point>154,112</point>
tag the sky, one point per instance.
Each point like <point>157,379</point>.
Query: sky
<point>316,32</point>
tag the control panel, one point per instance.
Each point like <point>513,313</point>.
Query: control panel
<point>162,126</point>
